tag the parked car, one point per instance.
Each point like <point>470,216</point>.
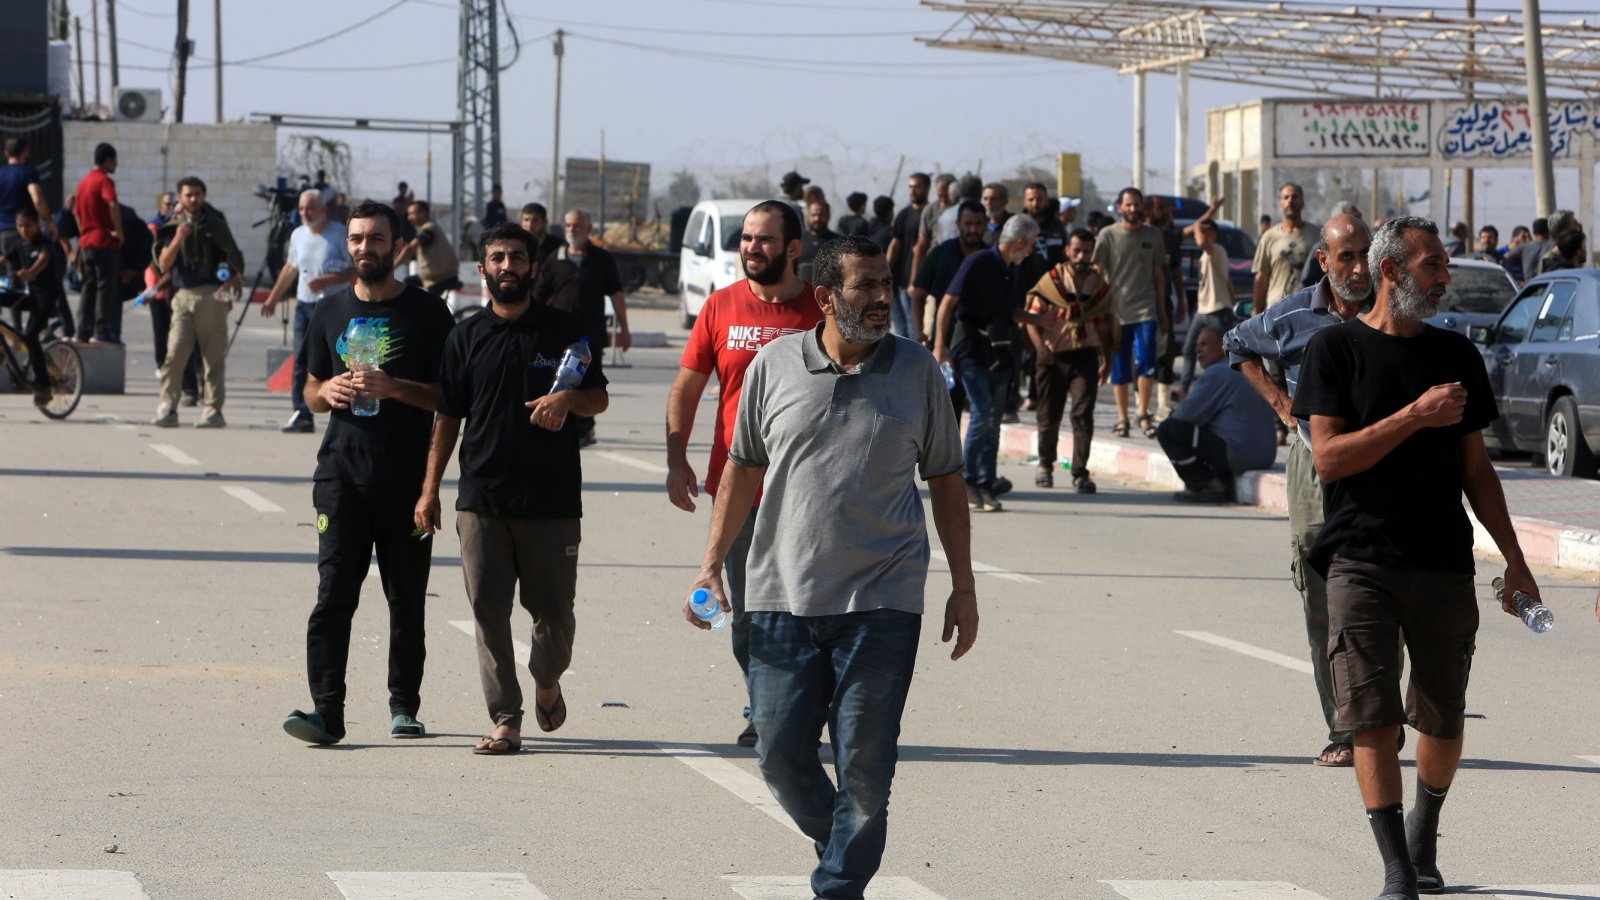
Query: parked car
<point>1543,357</point>
<point>709,260</point>
<point>1478,294</point>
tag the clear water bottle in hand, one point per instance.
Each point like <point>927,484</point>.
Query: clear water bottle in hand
<point>574,363</point>
<point>949,373</point>
<point>224,272</point>
<point>1534,614</point>
<point>705,607</point>
<point>361,355</point>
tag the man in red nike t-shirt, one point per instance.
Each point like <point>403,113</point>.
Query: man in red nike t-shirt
<point>734,324</point>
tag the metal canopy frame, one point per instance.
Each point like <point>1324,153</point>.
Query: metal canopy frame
<point>1344,51</point>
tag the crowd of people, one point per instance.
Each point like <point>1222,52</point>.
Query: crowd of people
<point>828,358</point>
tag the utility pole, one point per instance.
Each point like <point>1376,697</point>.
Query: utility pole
<point>182,47</point>
<point>94,31</point>
<point>555,154</point>
<point>1138,129</point>
<point>1467,198</point>
<point>216,35</point>
<point>111,36</point>
<point>478,103</point>
<point>77,29</point>
<point>1544,179</point>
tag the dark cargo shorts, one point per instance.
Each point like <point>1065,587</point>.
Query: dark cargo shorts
<point>1371,608</point>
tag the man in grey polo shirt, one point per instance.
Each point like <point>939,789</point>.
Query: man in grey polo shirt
<point>1281,335</point>
<point>840,420</point>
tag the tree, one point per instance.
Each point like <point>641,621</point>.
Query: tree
<point>305,154</point>
<point>684,189</point>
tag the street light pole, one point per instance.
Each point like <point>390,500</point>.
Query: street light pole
<point>555,153</point>
<point>1544,179</point>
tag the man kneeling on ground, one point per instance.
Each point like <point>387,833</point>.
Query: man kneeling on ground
<point>1221,428</point>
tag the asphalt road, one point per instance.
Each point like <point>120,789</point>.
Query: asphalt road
<point>1135,720</point>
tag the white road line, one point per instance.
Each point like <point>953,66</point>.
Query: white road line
<point>68,884</point>
<point>1524,891</point>
<point>787,887</point>
<point>1271,656</point>
<point>523,651</point>
<point>735,780</point>
<point>124,426</point>
<point>174,454</point>
<point>436,886</point>
<point>250,498</point>
<point>635,462</point>
<point>1591,759</point>
<point>1211,890</point>
<point>986,569</point>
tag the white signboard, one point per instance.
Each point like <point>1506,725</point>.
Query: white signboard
<point>1353,128</point>
<point>1490,129</point>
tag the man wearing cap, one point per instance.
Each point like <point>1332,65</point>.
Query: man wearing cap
<point>793,185</point>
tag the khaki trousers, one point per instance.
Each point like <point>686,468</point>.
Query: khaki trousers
<point>197,320</point>
<point>540,556</point>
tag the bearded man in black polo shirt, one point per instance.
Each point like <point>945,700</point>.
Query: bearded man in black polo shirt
<point>1397,411</point>
<point>519,503</point>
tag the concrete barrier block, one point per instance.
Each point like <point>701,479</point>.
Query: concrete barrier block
<point>105,368</point>
<point>649,339</point>
<point>276,357</point>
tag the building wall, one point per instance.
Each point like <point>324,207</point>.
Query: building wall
<point>233,160</point>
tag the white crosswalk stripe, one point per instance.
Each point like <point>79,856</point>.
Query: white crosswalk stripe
<point>736,781</point>
<point>70,884</point>
<point>174,454</point>
<point>250,498</point>
<point>788,887</point>
<point>1545,891</point>
<point>1187,889</point>
<point>436,886</point>
<point>1271,656</point>
<point>631,461</point>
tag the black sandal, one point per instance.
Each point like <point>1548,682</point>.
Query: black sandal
<point>1147,423</point>
<point>1045,478</point>
<point>1120,429</point>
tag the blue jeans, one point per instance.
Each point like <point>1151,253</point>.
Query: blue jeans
<point>851,671</point>
<point>986,402</point>
<point>733,569</point>
<point>900,315</point>
<point>297,390</point>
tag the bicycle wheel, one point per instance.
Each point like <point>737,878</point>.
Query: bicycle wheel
<point>66,379</point>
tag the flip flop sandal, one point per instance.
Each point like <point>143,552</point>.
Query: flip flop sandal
<point>1341,751</point>
<point>555,716</point>
<point>1429,881</point>
<point>509,748</point>
<point>1045,478</point>
<point>1120,429</point>
<point>405,726</point>
<point>1147,423</point>
<point>308,727</point>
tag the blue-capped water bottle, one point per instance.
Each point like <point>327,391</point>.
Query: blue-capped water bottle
<point>1534,614</point>
<point>223,272</point>
<point>705,607</point>
<point>361,355</point>
<point>949,373</point>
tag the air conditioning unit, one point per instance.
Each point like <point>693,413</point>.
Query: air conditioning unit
<point>138,104</point>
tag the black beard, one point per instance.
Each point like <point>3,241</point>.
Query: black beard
<point>385,267</point>
<point>771,275</point>
<point>514,296</point>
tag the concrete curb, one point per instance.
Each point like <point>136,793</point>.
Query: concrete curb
<point>1544,543</point>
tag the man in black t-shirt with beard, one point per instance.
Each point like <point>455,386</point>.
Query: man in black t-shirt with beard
<point>519,505</point>
<point>1397,410</point>
<point>369,473</point>
<point>902,244</point>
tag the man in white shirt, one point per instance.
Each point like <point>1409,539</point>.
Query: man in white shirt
<point>318,265</point>
<point>1213,292</point>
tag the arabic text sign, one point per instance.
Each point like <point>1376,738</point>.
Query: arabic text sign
<point>1353,128</point>
<point>1496,130</point>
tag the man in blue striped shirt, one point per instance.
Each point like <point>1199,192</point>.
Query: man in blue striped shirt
<point>1281,334</point>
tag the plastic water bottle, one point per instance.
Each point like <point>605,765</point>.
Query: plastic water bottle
<point>706,608</point>
<point>361,355</point>
<point>223,272</point>
<point>574,363</point>
<point>1535,615</point>
<point>949,376</point>
<point>145,296</point>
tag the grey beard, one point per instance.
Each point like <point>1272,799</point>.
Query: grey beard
<point>853,328</point>
<point>1407,301</point>
<point>1341,289</point>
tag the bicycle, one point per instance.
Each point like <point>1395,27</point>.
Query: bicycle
<point>62,362</point>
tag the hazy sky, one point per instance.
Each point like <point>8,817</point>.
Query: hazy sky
<point>722,88</point>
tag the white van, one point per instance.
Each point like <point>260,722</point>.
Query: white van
<point>709,260</point>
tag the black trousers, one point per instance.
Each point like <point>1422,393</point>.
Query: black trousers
<point>100,305</point>
<point>1197,454</point>
<point>353,521</point>
<point>1074,376</point>
<point>160,325</point>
